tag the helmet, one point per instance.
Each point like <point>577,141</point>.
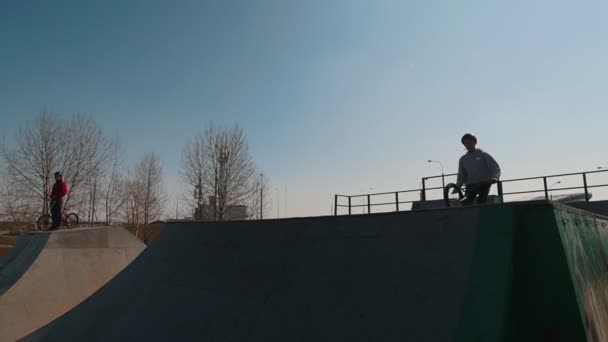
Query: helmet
<point>468,136</point>
<point>58,173</point>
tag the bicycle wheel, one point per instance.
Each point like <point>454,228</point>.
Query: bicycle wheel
<point>71,220</point>
<point>447,196</point>
<point>44,222</point>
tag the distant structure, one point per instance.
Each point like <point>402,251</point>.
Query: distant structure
<point>206,212</point>
<point>566,198</point>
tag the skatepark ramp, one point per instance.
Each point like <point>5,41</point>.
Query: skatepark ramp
<point>533,271</point>
<point>20,258</point>
<point>46,274</point>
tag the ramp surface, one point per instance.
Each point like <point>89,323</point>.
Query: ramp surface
<point>19,258</point>
<point>490,273</point>
<point>47,274</point>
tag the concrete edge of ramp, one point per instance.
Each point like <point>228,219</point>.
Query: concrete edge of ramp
<point>71,265</point>
<point>15,249</point>
<point>20,258</point>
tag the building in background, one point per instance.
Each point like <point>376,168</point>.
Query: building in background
<point>206,212</point>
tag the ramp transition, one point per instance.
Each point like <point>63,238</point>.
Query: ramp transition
<point>47,274</point>
<point>509,272</point>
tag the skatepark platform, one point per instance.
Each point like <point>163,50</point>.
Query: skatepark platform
<point>48,273</point>
<point>533,271</point>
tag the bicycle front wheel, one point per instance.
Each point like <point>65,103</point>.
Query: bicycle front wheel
<point>44,223</point>
<point>71,220</point>
<point>446,194</point>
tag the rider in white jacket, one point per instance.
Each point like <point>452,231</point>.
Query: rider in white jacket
<point>477,170</point>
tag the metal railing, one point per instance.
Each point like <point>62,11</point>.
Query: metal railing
<point>546,189</point>
<point>369,205</point>
<point>500,190</point>
<point>426,179</point>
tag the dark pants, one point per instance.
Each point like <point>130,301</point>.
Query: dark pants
<point>56,207</point>
<point>479,191</point>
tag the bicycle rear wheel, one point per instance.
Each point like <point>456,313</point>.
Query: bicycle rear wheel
<point>71,220</point>
<point>44,223</point>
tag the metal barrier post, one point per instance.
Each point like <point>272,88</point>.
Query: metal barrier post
<point>349,207</point>
<point>500,193</point>
<point>397,200</point>
<point>369,206</point>
<point>423,191</point>
<point>546,189</point>
<point>585,185</point>
<point>336,205</point>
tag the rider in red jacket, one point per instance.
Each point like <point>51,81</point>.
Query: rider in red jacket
<point>60,189</point>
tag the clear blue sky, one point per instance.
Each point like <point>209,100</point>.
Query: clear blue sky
<point>335,96</point>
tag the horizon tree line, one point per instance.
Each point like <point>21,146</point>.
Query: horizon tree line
<point>216,164</point>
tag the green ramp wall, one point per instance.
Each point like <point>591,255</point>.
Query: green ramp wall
<point>556,275</point>
<point>585,242</point>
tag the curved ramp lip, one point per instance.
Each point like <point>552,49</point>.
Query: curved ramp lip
<point>20,258</point>
<point>71,266</point>
<point>14,251</point>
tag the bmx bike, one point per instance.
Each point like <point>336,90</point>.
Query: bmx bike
<point>69,220</point>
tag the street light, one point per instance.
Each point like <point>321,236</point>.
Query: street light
<point>278,203</point>
<point>261,196</point>
<point>365,196</point>
<point>551,186</point>
<point>442,173</point>
<point>602,167</point>
<point>222,160</point>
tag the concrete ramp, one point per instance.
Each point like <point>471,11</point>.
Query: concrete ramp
<point>19,258</point>
<point>508,272</point>
<point>47,274</point>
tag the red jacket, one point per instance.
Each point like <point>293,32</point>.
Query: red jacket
<point>60,189</point>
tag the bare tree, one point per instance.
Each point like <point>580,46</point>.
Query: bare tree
<point>193,164</point>
<point>115,187</point>
<point>260,202</point>
<point>218,163</point>
<point>132,197</point>
<point>17,208</point>
<point>86,151</point>
<point>35,155</point>
<point>76,147</point>
<point>92,187</point>
<point>149,183</point>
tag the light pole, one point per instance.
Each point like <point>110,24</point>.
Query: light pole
<point>261,196</point>
<point>198,196</point>
<point>220,180</point>
<point>362,205</point>
<point>363,195</point>
<point>278,203</point>
<point>285,213</point>
<point>551,186</point>
<point>442,172</point>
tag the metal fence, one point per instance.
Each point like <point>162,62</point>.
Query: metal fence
<point>346,201</point>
